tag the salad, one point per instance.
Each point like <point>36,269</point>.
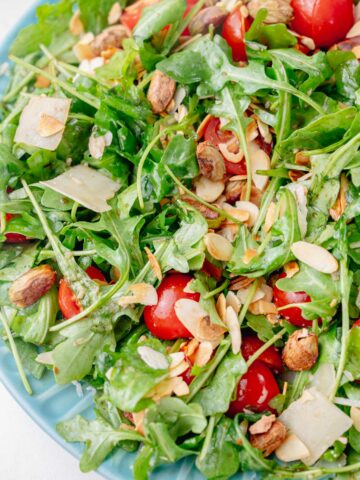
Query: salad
<point>180,229</point>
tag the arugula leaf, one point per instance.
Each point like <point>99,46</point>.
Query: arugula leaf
<point>156,17</point>
<point>94,13</point>
<point>348,79</point>
<point>99,436</point>
<point>200,285</point>
<point>10,166</point>
<point>16,260</point>
<point>28,354</point>
<point>273,36</point>
<point>260,325</point>
<point>353,353</point>
<point>216,397</point>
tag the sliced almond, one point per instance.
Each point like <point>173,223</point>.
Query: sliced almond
<point>251,131</point>
<point>315,256</point>
<point>229,232</point>
<point>165,388</point>
<point>196,320</point>
<point>154,359</point>
<point>42,82</point>
<point>76,26</point>
<point>49,126</point>
<point>155,266</point>
<point>302,159</point>
<point>262,307</point>
<point>268,292</point>
<point>114,14</point>
<point>201,129</point>
<point>219,247</point>
<point>176,358</point>
<point>240,282</point>
<point>356,51</point>
<point>221,306</point>
<point>355,417</point>
<point>143,293</point>
<point>354,30</point>
<point>208,190</point>
<point>260,160</point>
<point>263,425</point>
<point>83,50</point>
<point>191,347</point>
<point>203,354</point>
<point>249,255</point>
<point>240,214</point>
<point>291,269</point>
<point>339,207</point>
<point>45,358</point>
<point>292,449</point>
<point>270,217</point>
<point>181,389</point>
<point>179,369</point>
<point>138,419</point>
<point>230,156</point>
<point>232,322</point>
<point>251,209</point>
<point>243,293</point>
<point>233,301</point>
<point>264,130</point>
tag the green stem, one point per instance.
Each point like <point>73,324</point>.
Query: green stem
<point>268,197</point>
<point>207,441</point>
<point>15,353</point>
<point>74,253</point>
<point>248,300</point>
<point>74,211</point>
<point>266,345</point>
<point>217,290</point>
<point>316,472</point>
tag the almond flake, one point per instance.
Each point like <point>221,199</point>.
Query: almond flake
<point>143,293</point>
<point>176,358</point>
<point>203,354</point>
<point>155,266</point>
<point>221,306</point>
<point>154,359</point>
<point>302,159</point>
<point>179,369</point>
<point>260,160</point>
<point>232,322</point>
<point>240,214</point>
<point>114,14</point>
<point>83,50</point>
<point>42,82</point>
<point>292,449</point>
<point>219,247</point>
<point>355,417</point>
<point>138,419</point>
<point>315,256</point>
<point>263,425</point>
<point>191,347</point>
<point>251,132</point>
<point>45,358</point>
<point>270,217</point>
<point>240,282</point>
<point>49,126</point>
<point>208,190</point>
<point>291,268</point>
<point>233,301</point>
<point>262,307</point>
<point>251,209</point>
<point>165,388</point>
<point>181,389</point>
<point>228,155</point>
<point>339,207</point>
<point>76,26</point>
<point>249,255</point>
<point>243,293</point>
<point>201,129</point>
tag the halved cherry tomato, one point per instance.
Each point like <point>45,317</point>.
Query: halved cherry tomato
<point>325,21</point>
<point>271,357</point>
<point>14,237</point>
<point>255,390</point>
<point>161,318</point>
<point>68,303</point>
<point>357,323</point>
<point>212,270</point>
<point>292,314</point>
<point>132,14</point>
<point>233,32</point>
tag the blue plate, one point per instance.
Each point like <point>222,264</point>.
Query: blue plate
<point>52,403</point>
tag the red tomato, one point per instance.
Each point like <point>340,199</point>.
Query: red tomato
<point>255,390</point>
<point>357,323</point>
<point>132,14</point>
<point>161,318</point>
<point>325,21</point>
<point>14,237</point>
<point>68,303</point>
<point>212,270</point>
<point>233,32</point>
<point>292,314</point>
<point>271,356</point>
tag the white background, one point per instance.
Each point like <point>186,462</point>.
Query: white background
<point>26,452</point>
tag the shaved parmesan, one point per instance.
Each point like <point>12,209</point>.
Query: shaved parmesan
<point>86,186</point>
<point>316,421</point>
<point>42,122</point>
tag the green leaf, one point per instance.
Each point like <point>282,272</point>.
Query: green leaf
<point>200,285</point>
<point>16,260</point>
<point>28,354</point>
<point>348,79</point>
<point>353,353</point>
<point>260,325</point>
<point>216,397</point>
<point>10,166</point>
<point>273,36</point>
<point>94,14</point>
<point>155,17</point>
<point>99,436</point>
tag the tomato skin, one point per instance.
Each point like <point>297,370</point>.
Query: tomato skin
<point>14,237</point>
<point>255,390</point>
<point>356,323</point>
<point>233,32</point>
<point>292,314</point>
<point>325,21</point>
<point>212,270</point>
<point>68,303</point>
<point>161,319</point>
<point>271,357</point>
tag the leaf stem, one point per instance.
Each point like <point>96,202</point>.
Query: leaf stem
<point>266,345</point>
<point>207,441</point>
<point>216,290</point>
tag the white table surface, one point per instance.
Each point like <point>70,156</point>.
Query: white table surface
<point>26,452</point>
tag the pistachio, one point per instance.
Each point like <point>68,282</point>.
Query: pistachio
<point>210,161</point>
<point>301,350</point>
<point>279,11</point>
<point>31,286</point>
<point>202,21</point>
<point>270,440</point>
<point>110,37</point>
<point>161,91</point>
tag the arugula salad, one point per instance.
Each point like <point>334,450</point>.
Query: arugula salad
<point>180,229</point>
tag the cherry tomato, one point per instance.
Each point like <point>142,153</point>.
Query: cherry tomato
<point>68,303</point>
<point>132,14</point>
<point>212,270</point>
<point>292,314</point>
<point>233,32</point>
<point>161,319</point>
<point>357,323</point>
<point>14,237</point>
<point>325,21</point>
<point>255,390</point>
<point>271,357</point>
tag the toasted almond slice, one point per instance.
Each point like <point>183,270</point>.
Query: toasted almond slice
<point>233,301</point>
<point>240,214</point>
<point>97,145</point>
<point>292,449</point>
<point>196,320</point>
<point>354,30</point>
<point>356,51</point>
<point>83,49</point>
<point>355,417</point>
<point>76,26</point>
<point>219,247</point>
<point>42,82</point>
<point>244,292</point>
<point>143,293</point>
<point>182,389</point>
<point>232,322</point>
<point>154,359</point>
<point>138,419</point>
<point>315,256</point>
<point>264,130</point>
<point>203,354</point>
<point>208,190</point>
<point>49,126</point>
<point>176,358</point>
<point>229,232</point>
<point>249,255</point>
<point>155,266</point>
<point>45,358</point>
<point>270,217</point>
<point>268,292</point>
<point>165,388</point>
<point>260,160</point>
<point>191,347</point>
<point>302,159</point>
<point>179,369</point>
<point>262,307</point>
<point>291,269</point>
<point>230,156</point>
<point>221,306</point>
<point>263,425</point>
<point>114,14</point>
<point>251,131</point>
<point>201,129</point>
<point>251,209</point>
